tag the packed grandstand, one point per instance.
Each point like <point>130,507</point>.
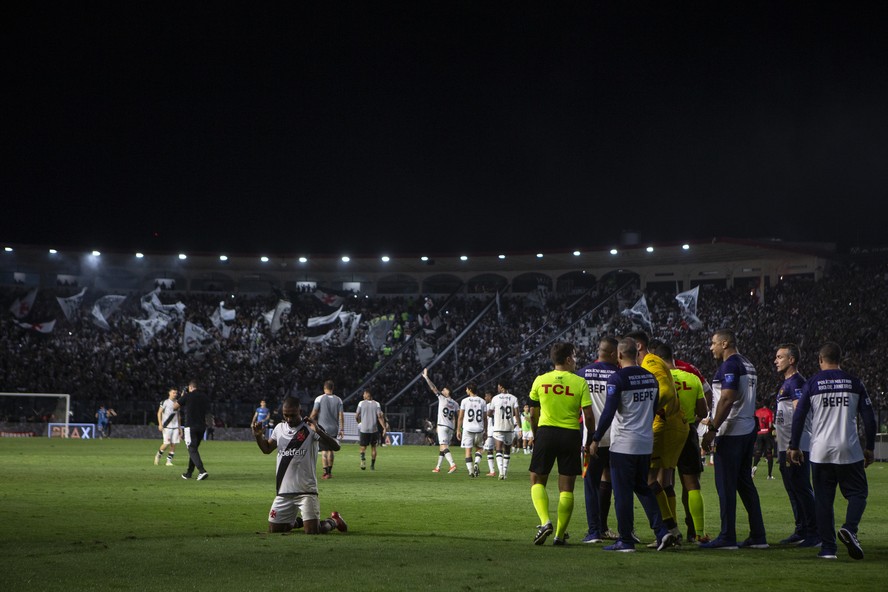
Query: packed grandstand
<point>124,349</point>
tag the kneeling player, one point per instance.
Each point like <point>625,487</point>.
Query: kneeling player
<point>296,441</point>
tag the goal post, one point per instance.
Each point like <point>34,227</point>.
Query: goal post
<point>62,408</point>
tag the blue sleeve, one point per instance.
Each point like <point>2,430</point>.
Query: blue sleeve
<point>799,416</point>
<point>611,403</point>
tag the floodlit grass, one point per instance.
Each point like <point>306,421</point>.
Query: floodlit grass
<point>98,515</point>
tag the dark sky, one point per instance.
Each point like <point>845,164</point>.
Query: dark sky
<point>442,127</point>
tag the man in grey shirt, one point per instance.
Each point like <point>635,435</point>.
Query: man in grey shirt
<point>369,417</point>
<point>327,412</point>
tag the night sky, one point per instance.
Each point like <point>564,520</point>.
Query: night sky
<point>442,127</point>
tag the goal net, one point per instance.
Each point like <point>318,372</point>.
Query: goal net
<point>50,409</point>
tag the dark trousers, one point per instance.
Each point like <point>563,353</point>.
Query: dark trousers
<point>629,474</point>
<point>733,476</point>
<point>193,440</point>
<point>591,483</point>
<point>851,480</point>
<point>797,482</point>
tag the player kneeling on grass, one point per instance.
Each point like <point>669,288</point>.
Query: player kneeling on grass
<point>296,442</point>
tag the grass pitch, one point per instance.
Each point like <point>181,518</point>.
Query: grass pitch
<point>98,515</point>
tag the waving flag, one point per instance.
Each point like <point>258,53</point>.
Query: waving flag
<point>687,302</point>
<point>104,308</point>
<point>331,298</point>
<point>195,338</point>
<point>316,321</point>
<point>22,306</point>
<point>71,305</point>
<point>640,313</point>
<point>46,327</point>
<point>150,327</point>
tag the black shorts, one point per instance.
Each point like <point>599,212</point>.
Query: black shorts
<point>561,444</point>
<point>689,461</point>
<point>764,444</point>
<point>368,438</point>
<point>324,447</point>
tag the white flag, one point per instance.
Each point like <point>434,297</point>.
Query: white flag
<point>71,305</point>
<point>283,307</point>
<point>22,306</point>
<point>687,302</point>
<point>195,337</point>
<point>219,318</point>
<point>424,352</point>
<point>349,322</point>
<point>315,321</point>
<point>151,327</point>
<point>153,306</point>
<point>320,338</point>
<point>378,330</point>
<point>104,308</point>
<point>39,327</point>
<point>640,313</point>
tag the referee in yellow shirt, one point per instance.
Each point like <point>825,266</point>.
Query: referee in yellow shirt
<point>556,400</point>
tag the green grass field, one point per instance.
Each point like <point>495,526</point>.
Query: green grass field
<point>98,515</point>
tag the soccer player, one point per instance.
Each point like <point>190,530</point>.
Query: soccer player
<point>670,432</point>
<point>296,442</point>
<point>526,431</point>
<point>732,427</point>
<point>556,400</point>
<point>168,425</point>
<point>833,399</point>
<point>632,400</point>
<point>764,441</point>
<point>596,480</point>
<point>327,412</point>
<point>693,406</point>
<point>796,477</point>
<point>447,411</point>
<point>369,418</point>
<point>197,405</point>
<point>262,414</point>
<point>470,427</point>
<point>489,445</point>
<point>502,413</point>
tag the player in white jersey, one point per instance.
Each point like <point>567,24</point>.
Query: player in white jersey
<point>503,411</point>
<point>470,426</point>
<point>447,412</point>
<point>489,445</point>
<point>168,424</point>
<point>296,442</point>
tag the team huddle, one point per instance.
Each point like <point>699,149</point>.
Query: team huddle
<point>637,416</point>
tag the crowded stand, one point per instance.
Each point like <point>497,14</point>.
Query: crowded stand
<point>268,351</point>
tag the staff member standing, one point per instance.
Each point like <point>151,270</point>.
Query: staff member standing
<point>732,427</point>
<point>196,404</point>
<point>834,398</point>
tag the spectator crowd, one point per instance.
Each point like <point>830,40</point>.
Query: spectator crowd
<point>507,344</point>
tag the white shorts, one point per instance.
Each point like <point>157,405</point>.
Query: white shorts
<point>528,435</point>
<point>505,437</point>
<point>472,440</point>
<point>445,435</point>
<point>488,443</point>
<point>284,508</point>
<point>170,435</point>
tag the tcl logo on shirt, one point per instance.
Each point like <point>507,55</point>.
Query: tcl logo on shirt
<point>558,389</point>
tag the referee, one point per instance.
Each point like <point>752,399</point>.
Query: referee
<point>556,400</point>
